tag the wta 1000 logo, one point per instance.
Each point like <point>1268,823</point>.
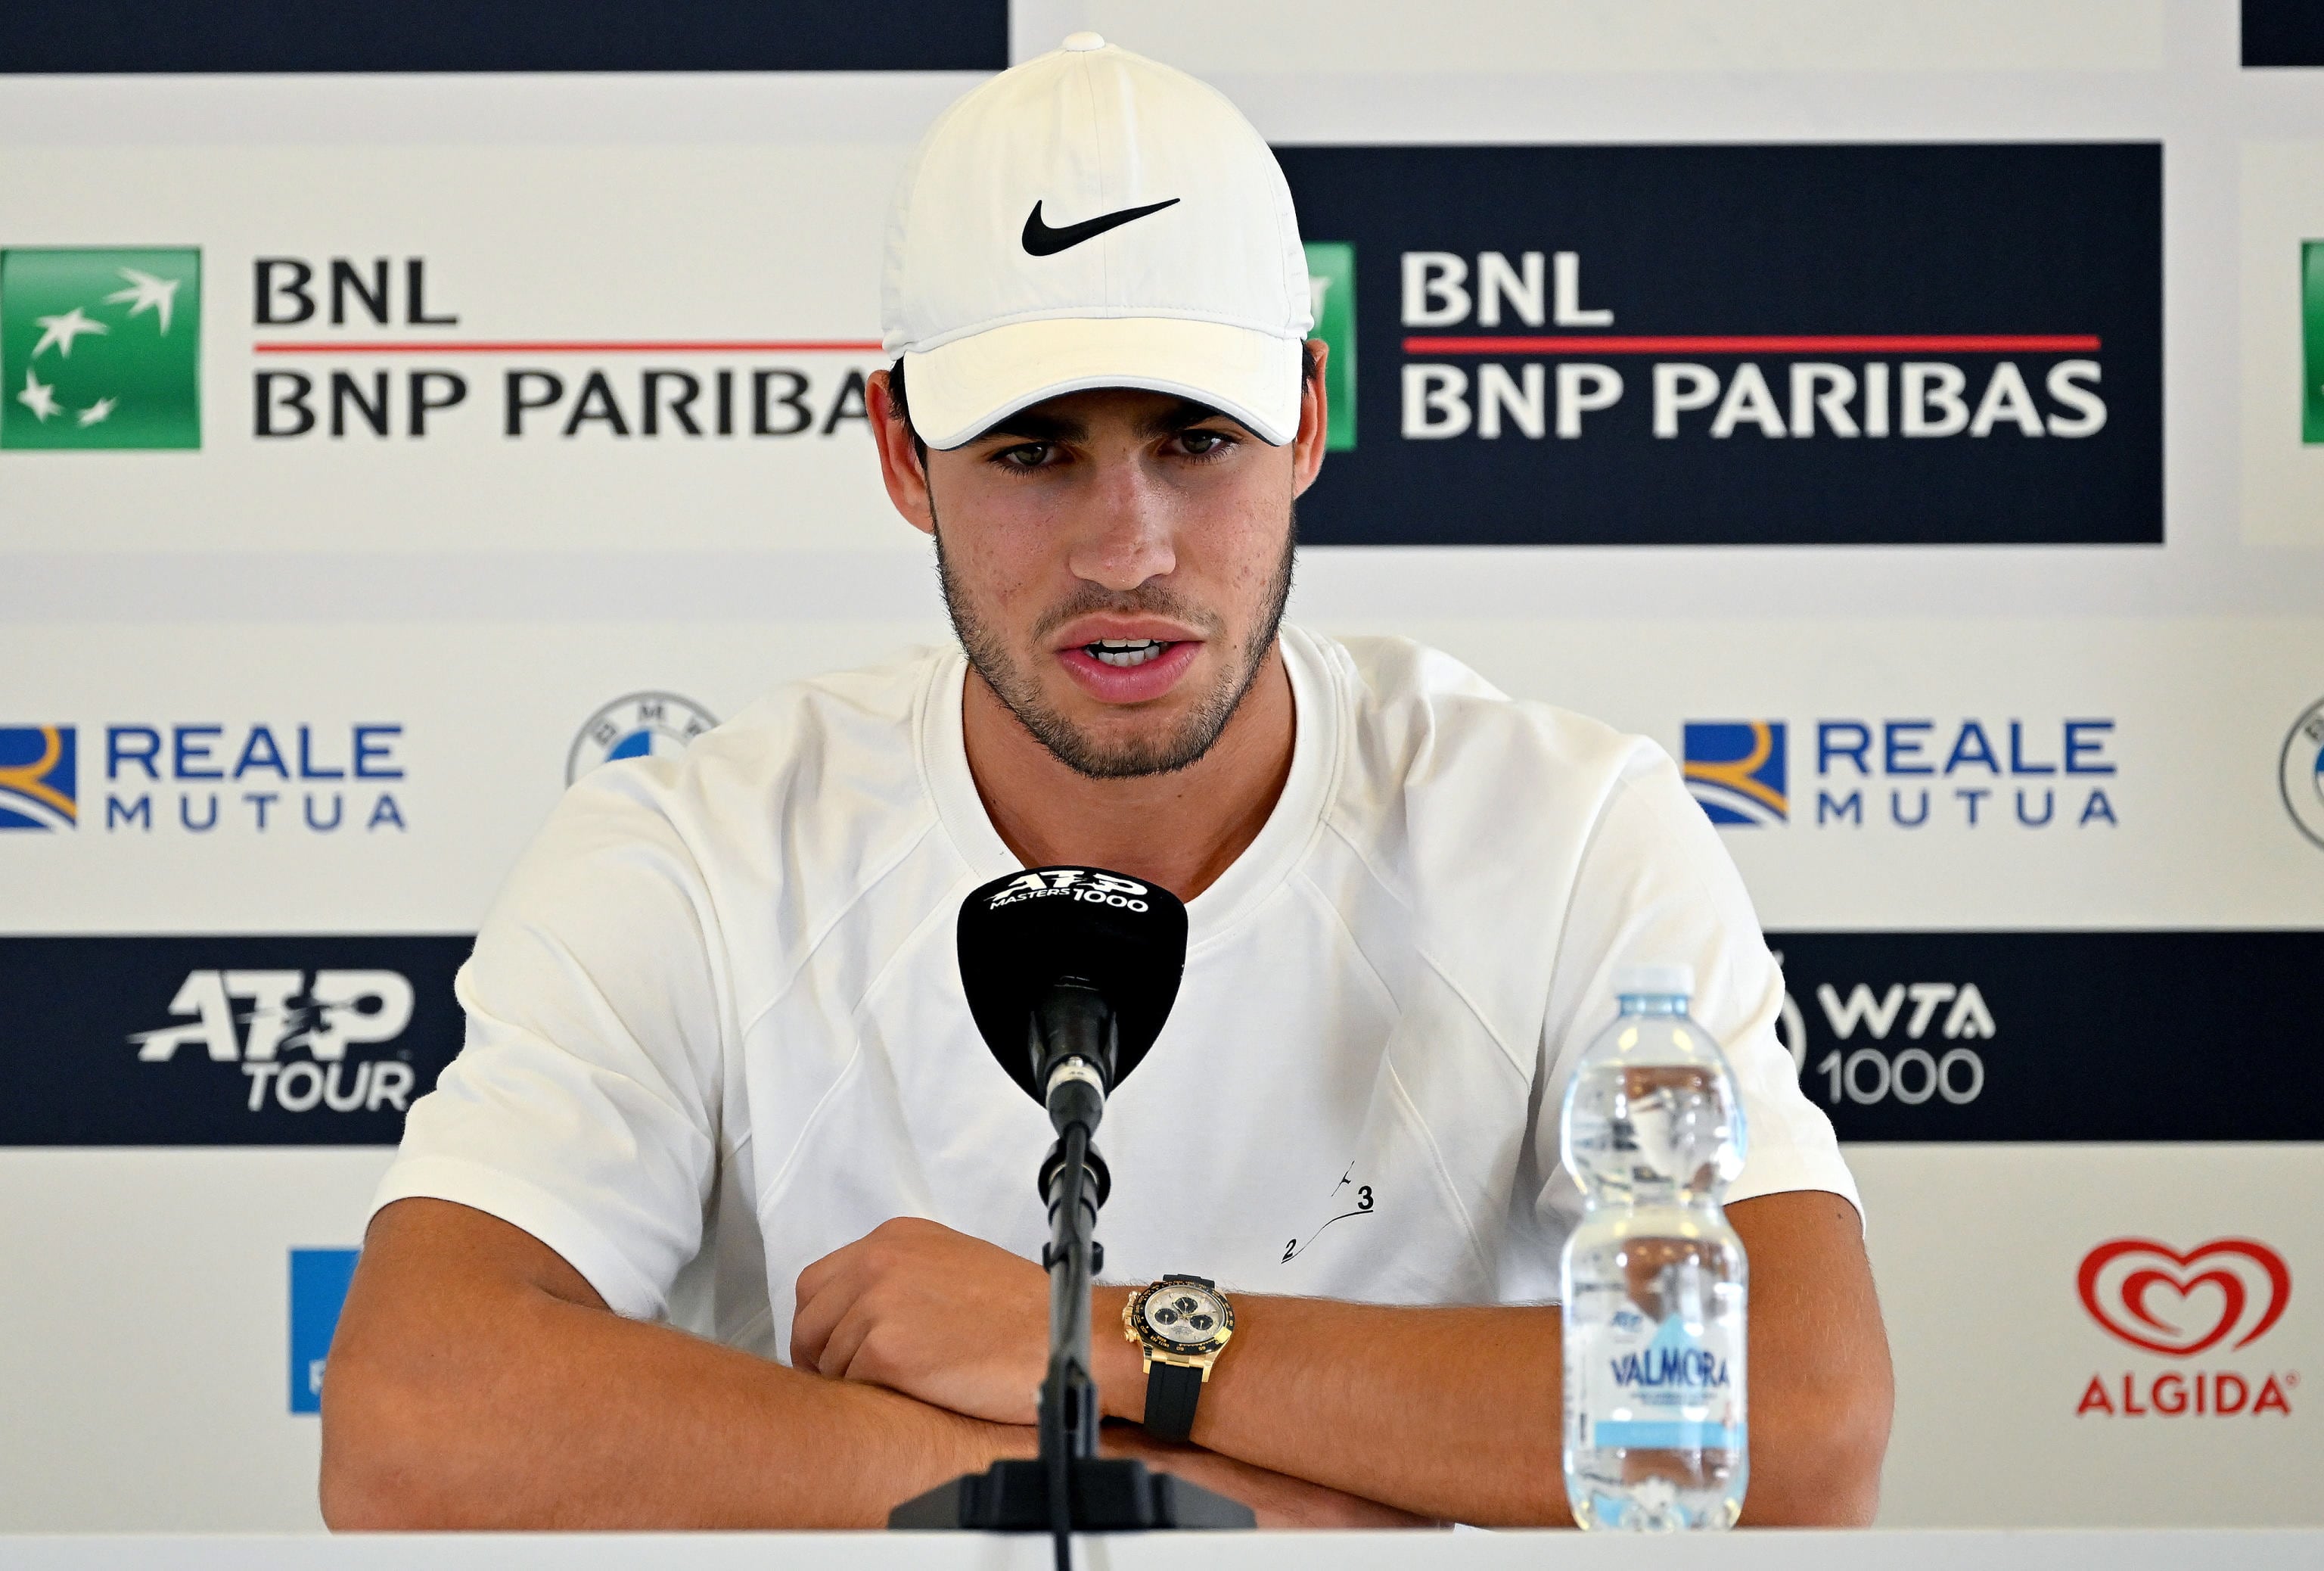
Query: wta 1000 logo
<point>2217,1298</point>
<point>201,778</point>
<point>1972,773</point>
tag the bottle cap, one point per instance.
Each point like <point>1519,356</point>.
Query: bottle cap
<point>1658,981</point>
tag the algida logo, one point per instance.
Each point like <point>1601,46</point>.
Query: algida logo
<point>100,349</point>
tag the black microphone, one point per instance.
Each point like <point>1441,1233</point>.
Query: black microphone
<point>1070,972</point>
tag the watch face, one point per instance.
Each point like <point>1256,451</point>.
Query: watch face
<point>1185,1314</point>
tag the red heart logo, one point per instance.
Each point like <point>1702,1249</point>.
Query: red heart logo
<point>2121,1279</point>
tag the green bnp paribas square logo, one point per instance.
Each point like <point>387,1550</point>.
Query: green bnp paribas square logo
<point>100,349</point>
<point>1332,290</point>
<point>2311,339</point>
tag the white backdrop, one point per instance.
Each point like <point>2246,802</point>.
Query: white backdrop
<point>488,594</point>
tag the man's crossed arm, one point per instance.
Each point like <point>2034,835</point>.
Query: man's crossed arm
<point>477,1381</point>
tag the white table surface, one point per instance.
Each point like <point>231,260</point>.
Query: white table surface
<point>2055,1550</point>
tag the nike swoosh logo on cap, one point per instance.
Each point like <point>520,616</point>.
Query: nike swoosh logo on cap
<point>1040,240</point>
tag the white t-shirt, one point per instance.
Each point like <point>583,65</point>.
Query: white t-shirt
<point>716,1029</point>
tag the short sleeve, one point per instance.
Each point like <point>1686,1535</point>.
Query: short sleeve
<point>1656,884</point>
<point>583,1106</point>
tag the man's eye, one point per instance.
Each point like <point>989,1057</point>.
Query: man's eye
<point>1203,444</point>
<point>1027,455</point>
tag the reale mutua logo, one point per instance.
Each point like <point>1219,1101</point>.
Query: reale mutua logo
<point>38,777</point>
<point>1972,773</point>
<point>2217,1298</point>
<point>100,349</point>
<point>1736,770</point>
<point>206,777</point>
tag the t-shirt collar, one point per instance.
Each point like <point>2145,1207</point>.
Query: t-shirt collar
<point>1288,831</point>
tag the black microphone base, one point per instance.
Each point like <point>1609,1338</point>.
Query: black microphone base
<point>1110,1495</point>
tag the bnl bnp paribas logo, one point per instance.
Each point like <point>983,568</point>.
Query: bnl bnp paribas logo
<point>1331,291</point>
<point>1970,773</point>
<point>2311,341</point>
<point>100,347</point>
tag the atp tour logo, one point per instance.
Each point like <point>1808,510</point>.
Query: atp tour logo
<point>2224,1295</point>
<point>37,778</point>
<point>2300,772</point>
<point>1736,770</point>
<point>639,726</point>
<point>286,1014</point>
<point>100,349</point>
<point>1971,774</point>
<point>224,1039</point>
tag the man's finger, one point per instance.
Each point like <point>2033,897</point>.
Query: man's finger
<point>817,1274</point>
<point>844,1345</point>
<point>822,1303</point>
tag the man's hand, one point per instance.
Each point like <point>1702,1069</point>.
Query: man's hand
<point>479,1381</point>
<point>1447,1412</point>
<point>935,1314</point>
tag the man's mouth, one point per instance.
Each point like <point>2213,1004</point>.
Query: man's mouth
<point>1123,652</point>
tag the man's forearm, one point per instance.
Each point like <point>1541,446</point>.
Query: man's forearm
<point>1452,1414</point>
<point>1457,1412</point>
<point>469,1399</point>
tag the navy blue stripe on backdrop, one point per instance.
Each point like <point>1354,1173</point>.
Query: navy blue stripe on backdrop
<point>1941,1037</point>
<point>508,35</point>
<point>1742,345</point>
<point>227,1040</point>
<point>2283,33</point>
<point>1980,1036</point>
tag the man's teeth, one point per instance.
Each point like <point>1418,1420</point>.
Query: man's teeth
<point>1125,652</point>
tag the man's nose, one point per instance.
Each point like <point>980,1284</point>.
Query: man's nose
<point>1125,530</point>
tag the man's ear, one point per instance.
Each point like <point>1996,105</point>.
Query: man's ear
<point>1314,422</point>
<point>900,469</point>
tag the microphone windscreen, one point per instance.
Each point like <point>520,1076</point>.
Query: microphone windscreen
<point>1021,935</point>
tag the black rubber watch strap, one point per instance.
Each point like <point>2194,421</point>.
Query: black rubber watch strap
<point>1172,1389</point>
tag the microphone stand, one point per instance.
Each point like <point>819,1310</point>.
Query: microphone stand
<point>1069,1488</point>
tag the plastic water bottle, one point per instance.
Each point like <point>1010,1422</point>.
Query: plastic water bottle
<point>1653,1278</point>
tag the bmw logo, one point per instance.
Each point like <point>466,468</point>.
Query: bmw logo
<point>2303,773</point>
<point>640,725</point>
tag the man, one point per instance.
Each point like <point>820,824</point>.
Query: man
<point>720,1073</point>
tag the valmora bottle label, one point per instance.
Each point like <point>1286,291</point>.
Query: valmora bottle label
<point>1675,1385</point>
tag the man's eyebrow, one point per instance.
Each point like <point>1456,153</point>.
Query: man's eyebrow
<point>1036,425</point>
<point>1182,415</point>
<point>1030,425</point>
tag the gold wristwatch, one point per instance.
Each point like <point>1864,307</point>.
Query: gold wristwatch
<point>1181,1324</point>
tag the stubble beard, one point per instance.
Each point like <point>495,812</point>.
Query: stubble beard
<point>1075,748</point>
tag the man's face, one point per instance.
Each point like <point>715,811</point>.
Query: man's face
<point>1115,563</point>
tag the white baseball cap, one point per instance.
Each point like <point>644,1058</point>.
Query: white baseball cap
<point>1091,218</point>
